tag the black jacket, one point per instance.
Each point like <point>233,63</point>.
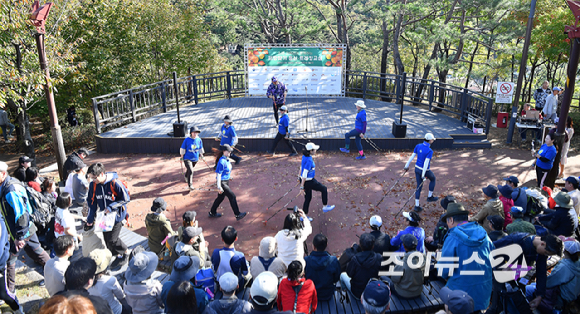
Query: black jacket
<point>362,267</point>
<point>382,242</point>
<point>20,173</point>
<point>559,222</point>
<point>324,270</point>
<point>72,162</point>
<point>439,235</point>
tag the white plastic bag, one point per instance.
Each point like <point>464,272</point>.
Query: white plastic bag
<point>104,222</point>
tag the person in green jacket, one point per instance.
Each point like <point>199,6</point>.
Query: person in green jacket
<point>158,226</point>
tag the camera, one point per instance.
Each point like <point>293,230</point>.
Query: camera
<point>295,209</point>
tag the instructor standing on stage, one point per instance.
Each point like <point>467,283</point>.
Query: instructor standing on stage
<point>283,132</point>
<point>277,91</point>
<point>424,155</point>
<point>360,128</point>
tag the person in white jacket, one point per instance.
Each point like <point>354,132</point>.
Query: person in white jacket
<point>551,105</point>
<point>291,239</point>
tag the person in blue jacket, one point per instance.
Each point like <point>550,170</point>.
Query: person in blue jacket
<point>544,159</point>
<point>307,181</point>
<point>108,194</point>
<point>518,194</point>
<point>424,155</point>
<point>414,229</point>
<point>360,128</point>
<point>223,176</point>
<point>191,150</point>
<point>469,243</point>
<point>283,132</point>
<point>228,136</point>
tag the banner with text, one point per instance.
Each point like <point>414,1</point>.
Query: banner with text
<point>311,71</point>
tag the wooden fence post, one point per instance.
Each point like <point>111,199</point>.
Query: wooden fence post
<point>229,85</point>
<point>364,85</point>
<point>488,115</point>
<point>96,115</point>
<point>195,96</point>
<point>163,96</point>
<point>132,105</point>
<point>431,94</point>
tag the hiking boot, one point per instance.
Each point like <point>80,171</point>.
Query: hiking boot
<point>119,262</point>
<point>432,199</point>
<point>216,215</point>
<point>327,208</point>
<point>418,209</point>
<point>238,161</point>
<point>293,154</point>
<point>241,216</point>
<point>361,157</point>
<point>344,150</point>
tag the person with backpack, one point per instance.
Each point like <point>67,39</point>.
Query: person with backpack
<point>519,196</point>
<point>267,259</point>
<point>108,194</point>
<point>296,293</point>
<point>191,151</point>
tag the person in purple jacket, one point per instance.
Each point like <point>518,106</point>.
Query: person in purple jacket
<point>360,128</point>
<point>277,91</point>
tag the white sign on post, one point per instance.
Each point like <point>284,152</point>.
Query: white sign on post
<point>505,91</point>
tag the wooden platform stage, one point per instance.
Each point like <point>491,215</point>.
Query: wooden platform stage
<point>325,119</point>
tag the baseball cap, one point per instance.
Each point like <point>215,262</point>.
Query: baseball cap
<point>410,217</point>
<point>376,221</point>
<point>429,136</point>
<point>491,191</point>
<point>264,288</point>
<point>189,215</point>
<point>572,247</point>
<point>227,147</point>
<point>512,179</point>
<point>377,293</point>
<point>228,282</point>
<point>556,88</point>
<point>274,79</point>
<point>496,221</point>
<point>409,241</point>
<point>311,146</point>
<point>517,209</point>
<point>190,233</point>
<point>573,180</point>
<point>283,108</point>
<point>24,159</point>
<point>457,301</point>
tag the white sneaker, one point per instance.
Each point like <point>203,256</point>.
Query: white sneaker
<point>7,141</point>
<point>327,208</point>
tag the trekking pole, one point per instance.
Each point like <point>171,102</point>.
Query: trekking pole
<point>372,144</point>
<point>205,162</point>
<point>276,213</point>
<point>294,141</point>
<point>281,197</point>
<point>389,191</point>
<point>182,173</point>
<point>420,185</point>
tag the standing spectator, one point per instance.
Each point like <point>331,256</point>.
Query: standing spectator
<point>307,181</point>
<point>540,95</point>
<point>55,268</point>
<point>158,226</point>
<point>181,299</point>
<point>382,240</point>
<point>519,196</point>
<point>228,136</point>
<point>227,259</point>
<point>376,297</point>
<point>436,241</point>
<point>71,114</point>
<point>506,199</point>
<point>263,294</point>
<point>551,104</point>
<point>184,269</point>
<point>75,160</point>
<point>322,268</point>
<point>496,223</point>
<point>17,213</point>
<point>360,128</point>
<point>362,267</point>
<point>571,185</point>
<point>105,285</point>
<point>423,171</point>
<point>108,194</point>
<point>223,174</point>
<point>267,259</point>
<point>283,133</point>
<point>456,301</point>
<point>466,241</point>
<point>519,224</point>
<point>7,127</point>
<point>413,219</point>
<point>190,246</point>
<point>80,186</point>
<point>410,284</point>
<point>561,221</point>
<point>544,160</point>
<point>229,303</point>
<point>143,292</point>
<point>566,146</point>
<point>191,151</point>
<point>296,293</point>
<point>291,238</point>
<point>277,91</point>
<point>493,206</point>
<point>23,164</point>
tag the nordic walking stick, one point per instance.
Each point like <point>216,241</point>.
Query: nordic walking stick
<point>420,185</point>
<point>385,195</point>
<point>372,144</point>
<point>294,141</point>
<point>205,162</point>
<point>276,213</point>
<point>182,173</point>
<point>281,197</point>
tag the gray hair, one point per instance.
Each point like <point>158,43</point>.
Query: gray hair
<point>3,166</point>
<point>369,309</point>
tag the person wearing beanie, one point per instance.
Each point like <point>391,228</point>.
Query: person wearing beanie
<point>277,91</point>
<point>158,226</point>
<point>519,224</point>
<point>436,241</point>
<point>424,154</point>
<point>493,206</point>
<point>228,136</point>
<point>307,181</point>
<point>505,196</point>
<point>267,259</point>
<point>283,133</point>
<point>360,128</point>
<point>191,151</point>
<point>223,174</point>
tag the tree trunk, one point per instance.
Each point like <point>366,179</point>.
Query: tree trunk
<point>533,72</point>
<point>471,65</point>
<point>399,66</point>
<point>24,136</point>
<point>384,56</point>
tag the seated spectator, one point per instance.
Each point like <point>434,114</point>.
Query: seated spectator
<point>519,196</point>
<point>229,303</point>
<point>142,292</point>
<point>55,268</point>
<point>467,240</point>
<point>80,185</point>
<point>561,221</point>
<point>190,245</point>
<point>436,241</point>
<point>263,294</point>
<point>382,240</point>
<point>105,285</point>
<point>493,206</point>
<point>181,299</point>
<point>20,172</point>
<point>64,220</point>
<point>322,268</point>
<point>190,221</point>
<point>496,225</point>
<point>376,297</point>
<point>519,224</point>
<point>228,259</point>
<point>506,199</point>
<point>456,301</point>
<point>31,176</point>
<point>563,283</point>
<point>547,192</point>
<point>410,284</point>
<point>413,219</point>
<point>362,267</point>
<point>267,259</point>
<point>158,226</point>
<point>184,269</point>
<point>74,305</point>
<point>48,188</point>
<point>291,238</point>
<point>572,184</point>
<point>304,300</point>
<point>79,277</point>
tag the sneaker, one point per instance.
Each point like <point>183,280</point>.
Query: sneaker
<point>191,187</point>
<point>216,215</point>
<point>361,157</point>
<point>241,216</point>
<point>41,283</point>
<point>327,208</point>
<point>293,154</point>
<point>7,141</point>
<point>344,150</point>
<point>119,262</point>
<point>432,199</point>
<point>238,161</point>
<point>418,209</point>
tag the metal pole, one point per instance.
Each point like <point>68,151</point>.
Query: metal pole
<point>522,72</point>
<point>570,81</point>
<point>176,96</point>
<point>403,82</point>
<point>54,127</point>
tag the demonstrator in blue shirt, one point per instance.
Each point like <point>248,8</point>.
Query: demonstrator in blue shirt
<point>223,174</point>
<point>424,154</point>
<point>545,159</point>
<point>360,128</point>
<point>283,132</point>
<point>228,136</point>
<point>307,181</point>
<point>191,150</point>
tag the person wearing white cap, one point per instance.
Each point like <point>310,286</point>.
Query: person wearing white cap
<point>263,294</point>
<point>360,128</point>
<point>424,155</point>
<point>382,240</point>
<point>228,136</point>
<point>283,132</point>
<point>308,183</point>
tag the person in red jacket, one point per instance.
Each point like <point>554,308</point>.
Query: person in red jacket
<point>506,199</point>
<point>303,301</point>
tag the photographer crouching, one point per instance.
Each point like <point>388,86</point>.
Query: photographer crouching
<point>291,238</point>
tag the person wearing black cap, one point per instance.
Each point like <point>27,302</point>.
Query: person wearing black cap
<point>23,163</point>
<point>75,160</point>
<point>190,246</point>
<point>410,284</point>
<point>228,136</point>
<point>376,297</point>
<point>563,221</point>
<point>436,241</point>
<point>456,301</point>
<point>519,196</point>
<point>223,171</point>
<point>191,151</point>
<point>363,266</point>
<point>493,206</point>
<point>496,225</point>
<point>277,91</point>
<point>158,226</point>
<point>283,133</point>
